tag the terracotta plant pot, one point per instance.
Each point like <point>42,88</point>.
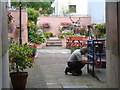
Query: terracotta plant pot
<point>19,80</point>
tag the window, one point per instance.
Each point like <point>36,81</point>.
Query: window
<point>72,8</point>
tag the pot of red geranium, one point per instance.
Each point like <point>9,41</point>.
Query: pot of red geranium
<point>19,61</point>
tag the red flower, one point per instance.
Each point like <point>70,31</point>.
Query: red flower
<point>34,45</point>
<point>73,46</point>
<point>78,44</point>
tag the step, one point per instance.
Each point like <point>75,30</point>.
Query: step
<point>53,39</point>
<point>53,44</point>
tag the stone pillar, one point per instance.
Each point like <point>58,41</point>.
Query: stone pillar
<point>113,44</point>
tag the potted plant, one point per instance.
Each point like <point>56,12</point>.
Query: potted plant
<point>46,25</point>
<point>66,24</point>
<point>19,61</point>
<point>99,29</point>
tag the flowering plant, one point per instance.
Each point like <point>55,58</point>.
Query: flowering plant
<point>33,47</point>
<point>99,30</point>
<point>19,57</point>
<point>101,27</point>
<point>67,32</point>
<point>66,24</point>
<point>46,25</point>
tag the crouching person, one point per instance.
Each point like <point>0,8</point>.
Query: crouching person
<point>76,63</point>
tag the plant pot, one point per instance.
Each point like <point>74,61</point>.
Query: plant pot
<point>19,80</point>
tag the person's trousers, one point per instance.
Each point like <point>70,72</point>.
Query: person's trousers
<point>76,67</point>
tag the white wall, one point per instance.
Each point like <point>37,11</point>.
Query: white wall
<point>93,8</point>
<point>97,11</point>
<point>0,47</point>
<point>81,6</point>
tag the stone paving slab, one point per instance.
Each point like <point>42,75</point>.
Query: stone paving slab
<point>49,71</point>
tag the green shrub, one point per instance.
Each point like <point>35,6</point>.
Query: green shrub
<point>32,34</point>
<point>32,14</point>
<point>36,38</point>
<point>19,57</point>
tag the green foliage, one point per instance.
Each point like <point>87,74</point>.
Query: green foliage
<point>17,4</point>
<point>99,30</point>
<point>32,14</point>
<point>60,36</point>
<point>48,34</point>
<point>33,47</point>
<point>101,27</point>
<point>46,6</point>
<point>19,57</point>
<point>32,26</point>
<point>36,38</point>
<point>86,33</point>
<point>68,33</point>
<point>33,36</point>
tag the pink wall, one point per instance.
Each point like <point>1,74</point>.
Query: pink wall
<point>15,34</point>
<point>55,22</point>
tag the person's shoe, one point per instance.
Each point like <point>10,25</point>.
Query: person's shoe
<point>66,70</point>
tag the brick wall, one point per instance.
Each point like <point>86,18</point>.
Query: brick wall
<point>15,34</point>
<point>55,22</point>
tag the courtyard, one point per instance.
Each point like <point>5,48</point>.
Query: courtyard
<point>48,71</point>
<point>37,42</point>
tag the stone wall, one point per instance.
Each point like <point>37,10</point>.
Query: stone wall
<point>0,45</point>
<point>113,44</point>
<point>15,33</point>
<point>55,22</point>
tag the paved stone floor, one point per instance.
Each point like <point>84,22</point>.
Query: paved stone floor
<point>48,71</point>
